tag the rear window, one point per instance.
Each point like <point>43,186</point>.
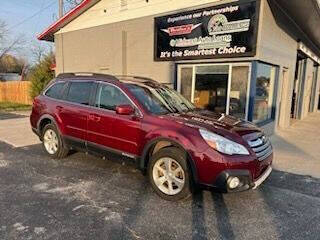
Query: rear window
<point>79,92</point>
<point>55,91</point>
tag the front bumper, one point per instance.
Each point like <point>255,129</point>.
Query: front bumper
<point>262,178</point>
<point>246,182</point>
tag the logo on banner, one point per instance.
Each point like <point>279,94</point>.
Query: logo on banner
<point>181,30</point>
<point>219,24</point>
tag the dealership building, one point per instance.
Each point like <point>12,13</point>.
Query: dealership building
<point>254,59</point>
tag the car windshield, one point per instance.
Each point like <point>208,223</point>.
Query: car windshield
<point>159,99</point>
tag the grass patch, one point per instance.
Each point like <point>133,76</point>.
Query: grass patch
<point>9,106</point>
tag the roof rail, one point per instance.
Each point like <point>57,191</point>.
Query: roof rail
<point>136,77</point>
<point>86,74</point>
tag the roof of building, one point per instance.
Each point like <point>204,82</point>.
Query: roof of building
<point>291,16</point>
<point>48,34</point>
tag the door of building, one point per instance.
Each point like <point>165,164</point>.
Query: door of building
<point>221,88</point>
<point>313,94</point>
<point>283,94</point>
<point>297,95</point>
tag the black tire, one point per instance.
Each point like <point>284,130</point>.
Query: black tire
<point>181,158</point>
<point>62,151</point>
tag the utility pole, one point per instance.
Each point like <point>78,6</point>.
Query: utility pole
<point>60,8</point>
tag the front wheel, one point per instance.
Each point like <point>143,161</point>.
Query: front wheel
<point>169,174</point>
<point>52,142</point>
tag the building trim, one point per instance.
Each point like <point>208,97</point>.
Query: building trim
<point>47,34</point>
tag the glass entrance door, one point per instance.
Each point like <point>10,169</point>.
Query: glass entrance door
<point>221,88</point>
<point>211,88</point>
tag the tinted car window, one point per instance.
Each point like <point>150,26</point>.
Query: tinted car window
<point>55,90</point>
<point>160,99</point>
<point>79,92</point>
<point>109,97</point>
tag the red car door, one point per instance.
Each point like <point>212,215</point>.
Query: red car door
<point>74,112</point>
<point>108,130</point>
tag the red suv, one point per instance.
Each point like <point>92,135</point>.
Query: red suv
<point>177,145</point>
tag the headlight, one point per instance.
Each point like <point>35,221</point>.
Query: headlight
<point>222,144</point>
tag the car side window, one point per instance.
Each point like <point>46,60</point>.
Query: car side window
<point>55,91</point>
<point>79,92</point>
<point>109,97</point>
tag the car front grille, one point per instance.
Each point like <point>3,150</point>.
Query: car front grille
<point>261,145</point>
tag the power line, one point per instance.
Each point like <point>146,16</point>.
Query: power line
<point>32,16</point>
<point>37,24</point>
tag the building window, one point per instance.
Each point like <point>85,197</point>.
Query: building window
<point>221,88</point>
<point>265,83</point>
<point>238,92</point>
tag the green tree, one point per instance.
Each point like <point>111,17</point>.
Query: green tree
<point>41,74</point>
<point>12,64</point>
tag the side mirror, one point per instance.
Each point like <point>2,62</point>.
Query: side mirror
<point>125,110</point>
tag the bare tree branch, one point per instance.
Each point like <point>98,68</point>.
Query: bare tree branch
<point>3,30</point>
<point>38,52</point>
<point>10,46</point>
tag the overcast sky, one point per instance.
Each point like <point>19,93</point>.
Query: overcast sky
<point>28,17</point>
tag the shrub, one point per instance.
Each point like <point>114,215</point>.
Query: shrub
<point>40,75</point>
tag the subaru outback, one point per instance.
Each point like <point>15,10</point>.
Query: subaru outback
<point>178,146</point>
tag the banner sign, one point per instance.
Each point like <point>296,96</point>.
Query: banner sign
<point>213,32</point>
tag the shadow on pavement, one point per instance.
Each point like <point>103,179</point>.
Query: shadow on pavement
<point>222,217</point>
<point>7,116</point>
<point>199,227</point>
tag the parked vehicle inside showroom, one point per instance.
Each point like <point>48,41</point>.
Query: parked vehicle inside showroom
<point>177,145</point>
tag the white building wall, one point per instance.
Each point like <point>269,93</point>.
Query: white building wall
<point>110,11</point>
<point>316,102</point>
<point>98,43</point>
<point>116,48</point>
<point>276,47</point>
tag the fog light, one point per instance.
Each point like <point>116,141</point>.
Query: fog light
<point>233,182</point>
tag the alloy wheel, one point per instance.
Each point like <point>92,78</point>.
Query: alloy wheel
<point>50,141</point>
<point>168,176</point>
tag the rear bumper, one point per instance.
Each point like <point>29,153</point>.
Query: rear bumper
<point>246,182</point>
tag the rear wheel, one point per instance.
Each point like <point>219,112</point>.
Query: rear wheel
<point>169,174</point>
<point>52,142</point>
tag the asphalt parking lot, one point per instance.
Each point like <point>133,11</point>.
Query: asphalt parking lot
<point>83,197</point>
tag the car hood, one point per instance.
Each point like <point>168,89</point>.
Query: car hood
<point>215,122</point>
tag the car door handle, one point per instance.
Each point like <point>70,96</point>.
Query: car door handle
<point>94,118</point>
<point>59,108</point>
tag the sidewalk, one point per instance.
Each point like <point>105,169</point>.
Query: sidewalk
<point>15,129</point>
<point>297,149</point>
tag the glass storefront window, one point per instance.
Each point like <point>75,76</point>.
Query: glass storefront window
<point>264,92</point>
<point>211,87</point>
<point>221,88</point>
<point>238,92</point>
<point>186,78</point>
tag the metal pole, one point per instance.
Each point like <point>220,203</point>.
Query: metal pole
<point>60,8</point>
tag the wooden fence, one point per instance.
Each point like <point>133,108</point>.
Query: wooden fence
<point>15,91</point>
